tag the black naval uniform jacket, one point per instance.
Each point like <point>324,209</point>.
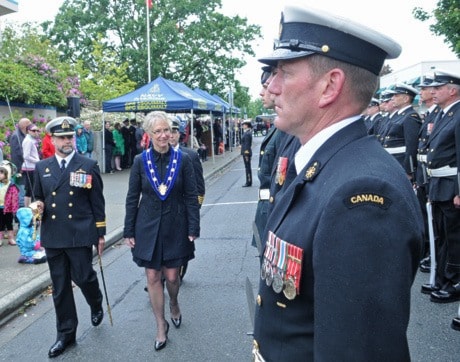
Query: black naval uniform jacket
<point>444,150</point>
<point>246,143</point>
<point>73,216</point>
<point>198,168</point>
<point>353,212</point>
<point>403,131</point>
<point>150,220</point>
<point>423,135</point>
<point>267,161</point>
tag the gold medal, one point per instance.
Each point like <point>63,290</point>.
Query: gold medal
<point>162,189</point>
<point>289,289</point>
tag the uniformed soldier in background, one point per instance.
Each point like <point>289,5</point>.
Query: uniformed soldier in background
<point>68,190</point>
<point>246,151</point>
<point>388,110</point>
<point>421,178</point>
<point>269,148</point>
<point>372,116</point>
<point>379,128</point>
<point>335,280</point>
<point>402,131</point>
<point>443,160</point>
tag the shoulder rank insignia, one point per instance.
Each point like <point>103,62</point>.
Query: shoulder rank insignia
<point>312,171</point>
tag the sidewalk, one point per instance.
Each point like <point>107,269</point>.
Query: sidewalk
<point>22,282</point>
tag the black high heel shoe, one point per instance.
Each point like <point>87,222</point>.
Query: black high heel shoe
<point>162,344</point>
<point>176,321</point>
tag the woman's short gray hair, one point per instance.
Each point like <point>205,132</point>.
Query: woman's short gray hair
<point>153,117</point>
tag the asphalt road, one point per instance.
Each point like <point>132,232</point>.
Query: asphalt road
<point>212,297</point>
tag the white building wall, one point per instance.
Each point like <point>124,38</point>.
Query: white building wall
<point>418,70</point>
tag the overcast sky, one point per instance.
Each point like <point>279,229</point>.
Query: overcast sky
<point>391,17</point>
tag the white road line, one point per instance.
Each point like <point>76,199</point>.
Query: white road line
<point>231,203</point>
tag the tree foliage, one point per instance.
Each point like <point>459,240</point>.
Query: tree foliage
<point>107,79</point>
<point>29,68</point>
<point>447,22</point>
<point>190,41</point>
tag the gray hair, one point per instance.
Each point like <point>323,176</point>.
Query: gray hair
<point>152,118</point>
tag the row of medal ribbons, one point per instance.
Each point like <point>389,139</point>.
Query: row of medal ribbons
<point>282,266</point>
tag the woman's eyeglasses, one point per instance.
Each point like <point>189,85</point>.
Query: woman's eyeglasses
<point>161,131</point>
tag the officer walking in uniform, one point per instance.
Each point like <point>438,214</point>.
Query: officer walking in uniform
<point>68,189</point>
<point>197,167</point>
<point>401,134</point>
<point>326,291</point>
<point>246,151</point>
<point>443,162</point>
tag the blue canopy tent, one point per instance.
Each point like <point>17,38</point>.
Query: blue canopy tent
<point>159,95</point>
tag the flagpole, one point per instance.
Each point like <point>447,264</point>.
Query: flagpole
<point>148,40</point>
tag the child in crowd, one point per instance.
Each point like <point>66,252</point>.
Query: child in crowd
<point>81,142</point>
<point>9,201</point>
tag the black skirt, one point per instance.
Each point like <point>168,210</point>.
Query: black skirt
<point>157,261</point>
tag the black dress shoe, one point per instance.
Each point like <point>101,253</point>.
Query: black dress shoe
<point>59,347</point>
<point>446,295</point>
<point>456,323</point>
<point>427,288</point>
<point>247,185</point>
<point>162,344</point>
<point>176,321</point>
<point>96,317</point>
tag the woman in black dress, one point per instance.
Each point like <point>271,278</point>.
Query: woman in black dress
<point>162,218</point>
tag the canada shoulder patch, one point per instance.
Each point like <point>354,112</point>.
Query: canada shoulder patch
<point>367,199</point>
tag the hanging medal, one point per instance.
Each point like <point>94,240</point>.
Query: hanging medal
<point>278,278</point>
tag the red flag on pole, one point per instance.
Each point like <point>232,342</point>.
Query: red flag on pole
<point>149,3</point>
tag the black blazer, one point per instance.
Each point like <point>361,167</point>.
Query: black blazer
<point>73,216</point>
<point>149,219</point>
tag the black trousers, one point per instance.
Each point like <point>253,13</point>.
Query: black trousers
<point>247,168</point>
<point>447,221</point>
<point>67,265</point>
<point>422,199</point>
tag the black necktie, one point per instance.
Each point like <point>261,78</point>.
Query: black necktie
<point>438,118</point>
<point>63,165</point>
